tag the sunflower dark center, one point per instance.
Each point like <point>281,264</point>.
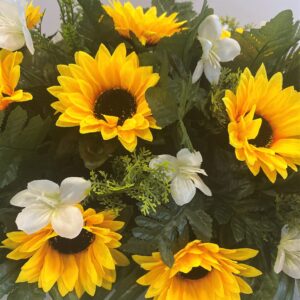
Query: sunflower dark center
<point>72,246</point>
<point>265,134</point>
<point>194,274</point>
<point>117,102</point>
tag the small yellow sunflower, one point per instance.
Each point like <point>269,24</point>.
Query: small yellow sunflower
<point>33,15</point>
<point>147,27</point>
<point>200,271</point>
<point>107,95</point>
<point>9,78</point>
<point>264,123</point>
<point>82,263</point>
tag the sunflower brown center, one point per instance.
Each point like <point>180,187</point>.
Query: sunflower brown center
<point>72,246</point>
<point>116,102</point>
<point>265,134</point>
<point>194,274</point>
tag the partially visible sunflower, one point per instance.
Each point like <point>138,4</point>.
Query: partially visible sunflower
<point>264,123</point>
<point>200,271</point>
<point>106,94</point>
<point>9,78</point>
<point>82,263</point>
<point>33,15</point>
<point>147,27</point>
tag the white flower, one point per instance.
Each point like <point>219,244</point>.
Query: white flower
<point>183,172</point>
<point>288,256</point>
<point>45,202</point>
<point>14,33</point>
<point>215,49</point>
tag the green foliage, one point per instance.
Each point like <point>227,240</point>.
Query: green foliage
<point>9,271</point>
<point>20,138</point>
<point>228,81</point>
<point>168,229</point>
<point>96,27</point>
<point>288,209</point>
<point>267,44</point>
<point>185,10</point>
<point>132,177</point>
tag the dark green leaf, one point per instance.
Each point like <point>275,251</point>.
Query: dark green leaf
<point>200,222</point>
<point>27,291</point>
<point>18,140</point>
<point>9,271</point>
<point>267,44</point>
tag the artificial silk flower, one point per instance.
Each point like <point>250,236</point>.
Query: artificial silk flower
<point>14,28</point>
<point>79,264</point>
<point>264,123</point>
<point>46,202</point>
<point>148,27</point>
<point>216,48</point>
<point>288,256</point>
<point>110,97</point>
<point>183,172</point>
<point>203,271</point>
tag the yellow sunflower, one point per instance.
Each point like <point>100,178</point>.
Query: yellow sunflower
<point>82,263</point>
<point>200,271</point>
<point>9,78</point>
<point>264,123</point>
<point>33,15</point>
<point>147,27</point>
<point>106,94</point>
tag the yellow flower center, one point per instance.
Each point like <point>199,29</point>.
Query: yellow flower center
<point>72,246</point>
<point>265,134</point>
<point>116,102</point>
<point>195,274</point>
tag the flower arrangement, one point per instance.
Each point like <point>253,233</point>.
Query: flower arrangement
<point>148,153</point>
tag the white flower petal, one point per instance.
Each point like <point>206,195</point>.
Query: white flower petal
<point>291,266</point>
<point>74,189</point>
<point>168,161</point>
<point>210,28</point>
<point>206,48</point>
<point>292,246</point>
<point>185,156</point>
<point>24,198</point>
<point>67,221</point>
<point>43,186</point>
<point>182,190</point>
<point>33,218</point>
<point>13,28</point>
<point>198,71</point>
<point>278,266</point>
<point>28,40</point>
<point>201,185</point>
<point>9,9</point>
<point>212,73</point>
<point>227,49</point>
<point>11,42</point>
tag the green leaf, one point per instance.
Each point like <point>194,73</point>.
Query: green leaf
<point>167,230</point>
<point>2,115</point>
<point>163,105</point>
<point>96,27</point>
<point>18,140</point>
<point>185,10</point>
<point>267,44</point>
<point>26,291</point>
<point>55,295</point>
<point>200,222</point>
<point>9,271</point>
